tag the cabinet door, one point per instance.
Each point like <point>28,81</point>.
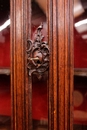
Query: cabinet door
<point>60,74</point>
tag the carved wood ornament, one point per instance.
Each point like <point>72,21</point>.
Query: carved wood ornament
<point>38,54</point>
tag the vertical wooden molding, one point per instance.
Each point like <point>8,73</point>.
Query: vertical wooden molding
<point>60,37</point>
<point>20,84</point>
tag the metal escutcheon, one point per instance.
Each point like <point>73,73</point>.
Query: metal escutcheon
<point>38,54</point>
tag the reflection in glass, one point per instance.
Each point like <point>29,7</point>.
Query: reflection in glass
<point>39,83</point>
<point>5,97</point>
<point>80,65</point>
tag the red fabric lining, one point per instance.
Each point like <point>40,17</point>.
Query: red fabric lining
<point>5,98</point>
<point>80,51</point>
<point>5,49</point>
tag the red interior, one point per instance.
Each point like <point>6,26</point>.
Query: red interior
<point>5,48</point>
<point>80,51</point>
<point>80,110</point>
<point>5,97</point>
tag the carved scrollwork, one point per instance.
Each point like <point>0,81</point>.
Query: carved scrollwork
<point>38,54</point>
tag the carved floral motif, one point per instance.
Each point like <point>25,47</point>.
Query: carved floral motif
<point>38,54</point>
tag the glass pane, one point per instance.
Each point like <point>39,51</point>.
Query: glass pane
<point>80,64</point>
<point>5,97</point>
<point>39,81</point>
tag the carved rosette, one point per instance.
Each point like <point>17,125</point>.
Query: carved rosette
<point>38,54</point>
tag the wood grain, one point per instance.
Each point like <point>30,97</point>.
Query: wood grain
<point>20,83</point>
<point>60,37</point>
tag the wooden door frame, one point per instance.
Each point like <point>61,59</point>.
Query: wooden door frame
<point>60,38</point>
<point>20,88</point>
<point>60,33</point>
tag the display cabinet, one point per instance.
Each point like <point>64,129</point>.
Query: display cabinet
<point>41,65</point>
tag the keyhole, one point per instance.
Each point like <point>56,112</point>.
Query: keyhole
<point>38,62</point>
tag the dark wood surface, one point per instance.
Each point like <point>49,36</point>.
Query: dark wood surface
<point>20,85</point>
<point>60,83</point>
<point>60,37</point>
